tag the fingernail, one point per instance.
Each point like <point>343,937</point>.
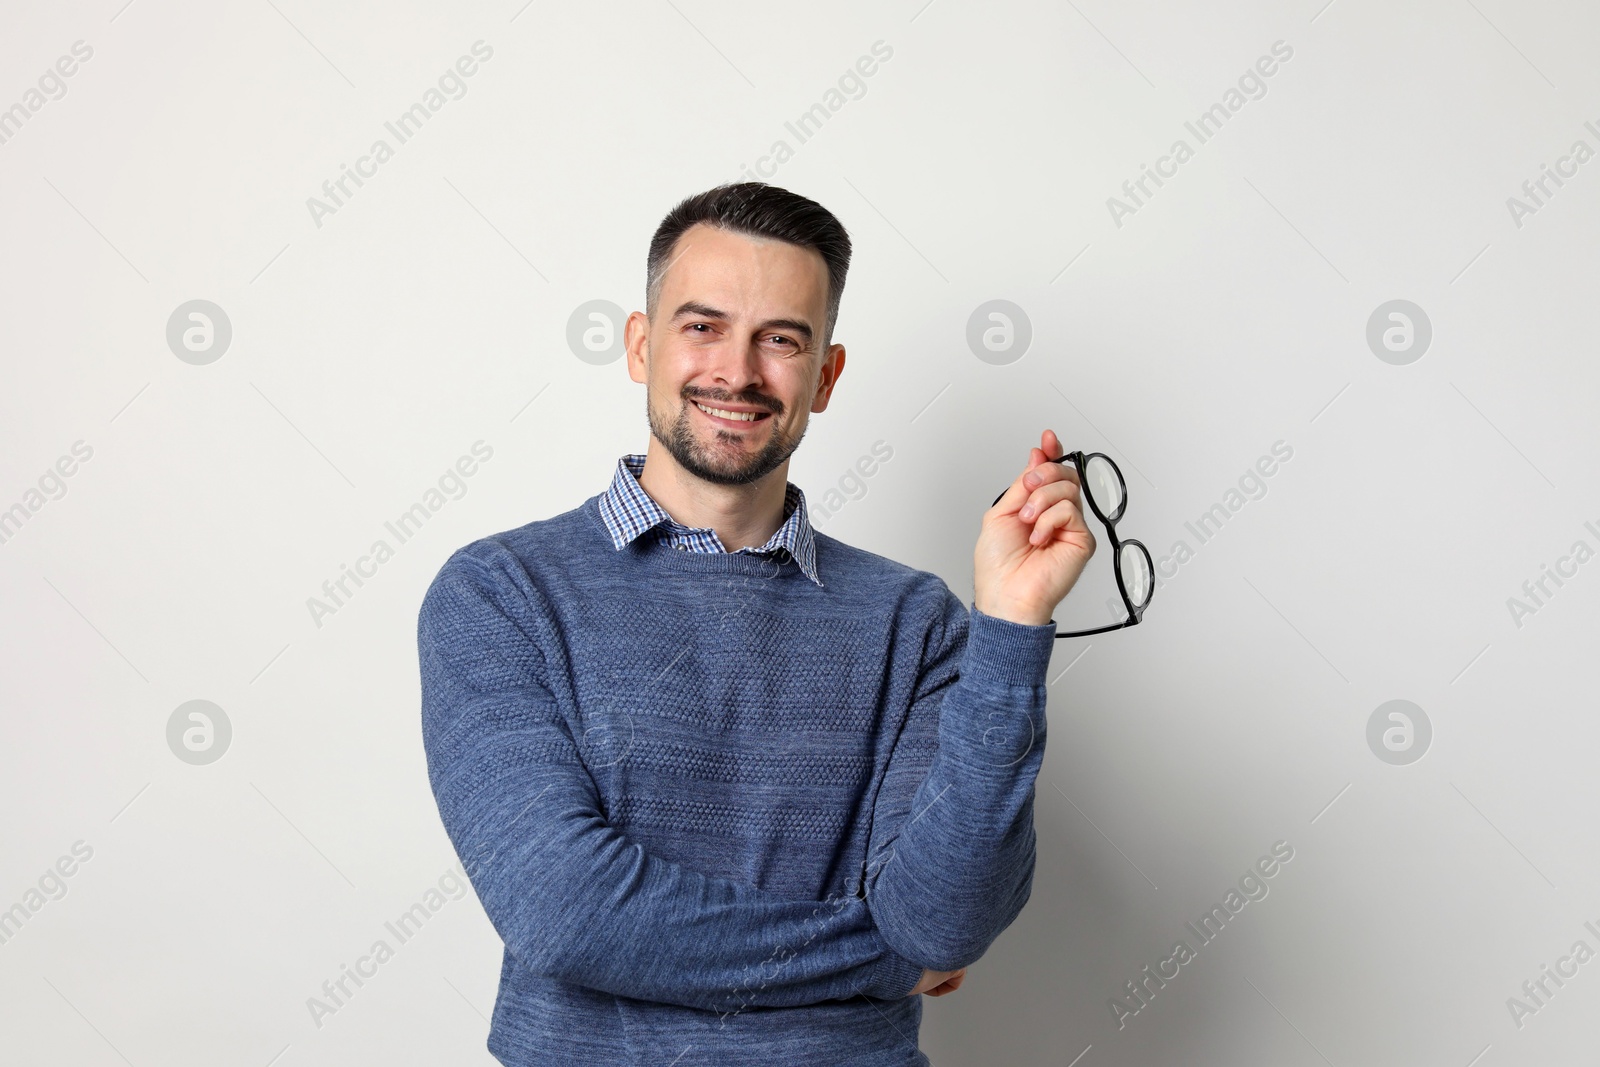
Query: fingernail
<point>1027,512</point>
<point>1032,479</point>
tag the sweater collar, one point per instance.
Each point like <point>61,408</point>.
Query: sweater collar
<point>629,511</point>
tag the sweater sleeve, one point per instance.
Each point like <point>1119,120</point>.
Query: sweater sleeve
<point>572,898</point>
<point>952,849</point>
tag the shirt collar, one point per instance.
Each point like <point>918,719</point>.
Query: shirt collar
<point>629,511</point>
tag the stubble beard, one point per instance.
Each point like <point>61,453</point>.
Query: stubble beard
<point>725,462</point>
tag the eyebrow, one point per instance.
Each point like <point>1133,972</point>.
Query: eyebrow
<point>692,307</point>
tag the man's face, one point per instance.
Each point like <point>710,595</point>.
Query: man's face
<point>738,328</point>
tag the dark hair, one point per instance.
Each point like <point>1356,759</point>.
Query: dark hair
<point>762,210</point>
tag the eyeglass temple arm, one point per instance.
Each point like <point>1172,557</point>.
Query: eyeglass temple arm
<point>1099,630</point>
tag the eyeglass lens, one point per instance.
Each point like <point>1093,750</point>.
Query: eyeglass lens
<point>1105,489</point>
<point>1104,485</point>
<point>1135,573</point>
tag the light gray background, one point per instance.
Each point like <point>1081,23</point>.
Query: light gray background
<point>431,312</point>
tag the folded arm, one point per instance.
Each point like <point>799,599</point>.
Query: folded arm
<point>952,850</point>
<point>571,896</point>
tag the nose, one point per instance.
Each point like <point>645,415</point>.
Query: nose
<point>737,368</point>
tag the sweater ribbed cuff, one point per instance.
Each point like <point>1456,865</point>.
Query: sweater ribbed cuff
<point>1010,653</point>
<point>894,978</point>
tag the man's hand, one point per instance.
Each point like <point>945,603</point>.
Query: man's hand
<point>938,983</point>
<point>1034,542</point>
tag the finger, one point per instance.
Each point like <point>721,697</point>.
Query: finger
<point>1052,450</point>
<point>1051,469</point>
<point>1044,497</point>
<point>1051,444</point>
<point>1048,451</point>
<point>1036,456</point>
<point>1062,517</point>
<point>1015,493</point>
<point>1042,469</point>
<point>1044,475</point>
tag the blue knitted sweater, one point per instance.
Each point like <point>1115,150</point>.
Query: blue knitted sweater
<point>719,814</point>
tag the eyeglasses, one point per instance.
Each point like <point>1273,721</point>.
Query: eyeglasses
<point>1107,494</point>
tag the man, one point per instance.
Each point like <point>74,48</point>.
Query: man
<point>677,736</point>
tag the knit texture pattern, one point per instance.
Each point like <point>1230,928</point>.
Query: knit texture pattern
<point>719,813</point>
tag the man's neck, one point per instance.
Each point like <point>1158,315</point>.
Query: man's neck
<point>743,516</point>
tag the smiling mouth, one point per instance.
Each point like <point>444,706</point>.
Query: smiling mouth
<point>732,418</point>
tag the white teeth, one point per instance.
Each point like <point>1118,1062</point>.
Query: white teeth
<point>742,416</point>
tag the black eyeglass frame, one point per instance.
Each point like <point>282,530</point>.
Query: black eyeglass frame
<point>1135,614</point>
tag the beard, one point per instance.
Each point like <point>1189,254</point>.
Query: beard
<point>722,458</point>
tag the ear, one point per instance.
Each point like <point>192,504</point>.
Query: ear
<point>832,367</point>
<point>636,338</point>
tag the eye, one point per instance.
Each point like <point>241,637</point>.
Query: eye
<point>781,337</point>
